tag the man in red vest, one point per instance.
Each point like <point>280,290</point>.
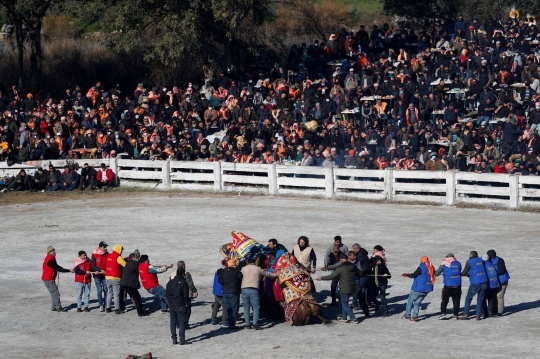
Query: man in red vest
<point>99,256</point>
<point>49,272</point>
<point>149,280</point>
<point>83,280</point>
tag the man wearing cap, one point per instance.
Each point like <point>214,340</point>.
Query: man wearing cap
<point>49,272</point>
<point>105,177</point>
<point>98,259</point>
<point>149,279</point>
<point>450,268</point>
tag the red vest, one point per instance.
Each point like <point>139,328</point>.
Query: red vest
<point>149,280</point>
<point>112,268</point>
<point>84,278</point>
<point>47,272</point>
<point>100,262</point>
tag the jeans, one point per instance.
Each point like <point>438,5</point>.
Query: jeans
<point>534,126</point>
<point>73,185</point>
<point>345,307</point>
<point>83,289</point>
<point>101,287</point>
<point>113,290</point>
<point>55,294</point>
<point>397,121</point>
<point>218,303</point>
<point>474,289</point>
<point>489,304</point>
<point>161,296</point>
<point>250,297</point>
<point>362,295</point>
<point>54,187</point>
<point>231,303</point>
<point>415,299</point>
<point>178,320</point>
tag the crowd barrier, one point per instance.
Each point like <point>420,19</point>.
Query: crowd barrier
<point>444,187</point>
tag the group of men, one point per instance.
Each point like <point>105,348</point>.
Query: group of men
<point>354,274</point>
<point>67,180</point>
<point>116,277</point>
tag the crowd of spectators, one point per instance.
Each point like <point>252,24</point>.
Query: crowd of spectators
<point>462,95</point>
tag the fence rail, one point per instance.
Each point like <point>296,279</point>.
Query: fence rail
<point>446,187</point>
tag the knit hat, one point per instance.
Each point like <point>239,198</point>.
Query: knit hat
<point>50,249</point>
<point>379,248</point>
<point>136,251</point>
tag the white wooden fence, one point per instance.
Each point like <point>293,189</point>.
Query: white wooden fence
<point>445,187</point>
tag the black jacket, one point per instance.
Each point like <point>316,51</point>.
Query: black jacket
<point>231,280</point>
<point>177,292</point>
<point>383,269</point>
<point>130,275</point>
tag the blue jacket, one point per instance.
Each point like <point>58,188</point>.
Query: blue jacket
<point>503,277</point>
<point>422,283</point>
<point>492,275</point>
<point>477,272</point>
<point>217,288</point>
<point>452,275</point>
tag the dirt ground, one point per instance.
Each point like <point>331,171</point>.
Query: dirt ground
<point>171,227</point>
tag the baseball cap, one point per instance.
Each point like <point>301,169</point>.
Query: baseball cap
<point>103,244</point>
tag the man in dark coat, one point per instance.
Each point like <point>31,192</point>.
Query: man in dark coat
<point>130,283</point>
<point>178,296</point>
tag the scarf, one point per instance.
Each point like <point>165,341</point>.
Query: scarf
<point>380,254</point>
<point>99,251</point>
<point>448,261</point>
<point>78,261</point>
<point>376,272</point>
<point>430,268</point>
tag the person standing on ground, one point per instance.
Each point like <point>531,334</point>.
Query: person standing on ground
<point>251,280</point>
<point>331,262</point>
<point>424,278</point>
<point>362,282</point>
<point>113,273</point>
<point>83,280</point>
<point>130,283</point>
<point>49,272</point>
<point>150,282</point>
<point>192,289</point>
<point>347,274</point>
<point>380,274</point>
<point>305,254</point>
<point>231,291</point>
<point>217,290</point>
<point>489,304</point>
<point>502,272</point>
<point>476,271</point>
<point>450,268</point>
<point>178,297</point>
<point>98,259</point>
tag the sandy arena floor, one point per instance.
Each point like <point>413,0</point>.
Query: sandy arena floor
<point>169,229</point>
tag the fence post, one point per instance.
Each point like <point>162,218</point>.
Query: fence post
<point>272,179</point>
<point>388,179</point>
<point>166,173</point>
<point>218,185</point>
<point>113,165</point>
<point>514,190</point>
<point>329,181</point>
<point>450,187</point>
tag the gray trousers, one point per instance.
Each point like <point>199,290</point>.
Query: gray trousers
<point>55,294</point>
<point>218,303</point>
<point>113,289</point>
